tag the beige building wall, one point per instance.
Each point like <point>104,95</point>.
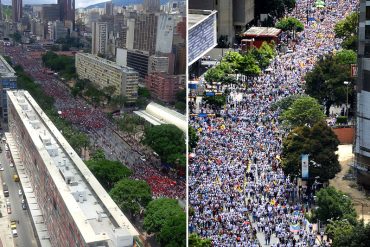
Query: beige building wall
<point>103,73</point>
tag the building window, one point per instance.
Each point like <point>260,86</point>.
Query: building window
<point>367,12</point>
<point>367,32</point>
<point>367,51</point>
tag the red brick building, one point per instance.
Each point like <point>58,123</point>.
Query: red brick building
<point>163,86</point>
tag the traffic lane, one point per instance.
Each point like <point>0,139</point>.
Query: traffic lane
<point>24,227</point>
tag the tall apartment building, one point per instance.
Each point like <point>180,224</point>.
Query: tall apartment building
<point>165,30</point>
<point>17,11</point>
<point>1,11</point>
<point>8,80</point>
<point>104,73</point>
<point>50,12</point>
<point>76,209</point>
<point>362,143</point>
<point>152,5</point>
<point>67,10</point>
<point>163,86</point>
<point>158,64</point>
<point>99,37</point>
<point>145,32</point>
<point>57,30</point>
<point>232,15</point>
<point>138,60</point>
<point>109,8</point>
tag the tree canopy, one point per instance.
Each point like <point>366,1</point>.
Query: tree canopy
<point>334,204</point>
<point>167,141</point>
<point>173,232</point>
<point>347,29</point>
<point>158,212</point>
<point>108,172</point>
<point>131,195</point>
<point>326,81</point>
<point>290,24</point>
<point>196,241</point>
<point>63,64</point>
<point>304,110</point>
<point>320,142</point>
<point>193,138</point>
<point>345,234</point>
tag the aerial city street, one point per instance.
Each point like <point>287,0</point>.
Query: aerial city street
<point>268,107</point>
<point>93,97</point>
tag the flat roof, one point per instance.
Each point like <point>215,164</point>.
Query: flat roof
<point>196,16</point>
<point>262,31</point>
<point>5,68</point>
<point>124,69</point>
<point>96,215</point>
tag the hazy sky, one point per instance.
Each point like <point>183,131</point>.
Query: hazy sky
<point>79,3</point>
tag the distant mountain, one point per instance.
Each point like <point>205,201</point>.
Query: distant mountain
<point>122,3</point>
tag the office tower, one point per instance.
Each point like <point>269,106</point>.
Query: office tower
<point>145,32</point>
<point>50,12</point>
<point>17,10</point>
<point>362,142</point>
<point>71,203</point>
<point>165,30</point>
<point>57,30</point>
<point>67,10</point>
<point>139,61</point>
<point>1,11</point>
<point>152,5</point>
<point>99,37</point>
<point>109,8</point>
<point>8,80</point>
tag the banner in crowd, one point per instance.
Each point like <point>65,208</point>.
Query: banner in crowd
<point>304,158</point>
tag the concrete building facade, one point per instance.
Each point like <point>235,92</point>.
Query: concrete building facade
<point>163,86</point>
<point>17,11</point>
<point>76,208</point>
<point>145,32</point>
<point>152,5</point>
<point>99,37</point>
<point>8,80</point>
<point>104,73</point>
<point>362,142</point>
<point>232,15</point>
<point>139,61</point>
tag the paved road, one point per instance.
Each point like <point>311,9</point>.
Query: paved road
<point>24,228</point>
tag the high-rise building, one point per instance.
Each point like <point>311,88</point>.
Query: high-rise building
<point>145,33</point>
<point>1,11</point>
<point>139,61</point>
<point>362,142</point>
<point>152,6</point>
<point>57,30</point>
<point>163,86</point>
<point>109,8</point>
<point>165,30</point>
<point>67,10</point>
<point>8,80</point>
<point>232,16</point>
<point>50,12</point>
<point>104,73</point>
<point>17,10</point>
<point>99,37</point>
<point>76,209</point>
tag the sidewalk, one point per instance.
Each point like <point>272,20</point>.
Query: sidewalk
<point>5,233</point>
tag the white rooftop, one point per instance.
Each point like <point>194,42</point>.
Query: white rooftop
<point>95,213</point>
<point>5,68</point>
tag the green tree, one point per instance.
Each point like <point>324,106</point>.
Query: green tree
<point>131,195</point>
<point>98,155</point>
<point>181,96</point>
<point>264,54</point>
<point>304,110</point>
<point>325,81</point>
<point>334,204</point>
<point>17,37</point>
<point>196,241</point>
<point>143,92</point>
<point>249,65</point>
<point>214,74</point>
<point>108,172</point>
<point>216,101</point>
<point>158,212</point>
<point>180,106</point>
<point>173,232</point>
<point>193,138</point>
<point>336,228</point>
<point>284,103</point>
<point>320,142</point>
<point>290,24</point>
<point>347,30</point>
<point>165,140</point>
<point>346,57</point>
<point>359,236</point>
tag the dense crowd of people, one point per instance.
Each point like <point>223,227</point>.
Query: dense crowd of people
<point>93,121</point>
<point>238,193</point>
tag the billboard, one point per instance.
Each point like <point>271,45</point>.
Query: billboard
<point>202,38</point>
<point>304,160</point>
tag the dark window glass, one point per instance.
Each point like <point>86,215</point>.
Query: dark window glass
<point>367,12</point>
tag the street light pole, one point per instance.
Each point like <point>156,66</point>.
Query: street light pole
<point>347,83</point>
